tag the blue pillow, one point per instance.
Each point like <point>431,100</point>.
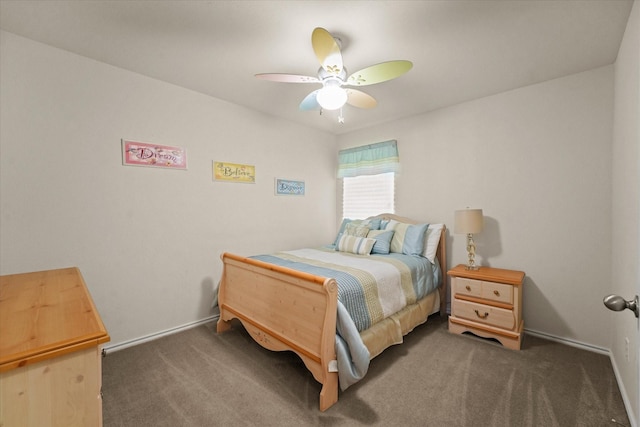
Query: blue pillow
<point>383,241</point>
<point>375,224</point>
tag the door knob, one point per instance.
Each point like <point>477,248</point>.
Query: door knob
<point>617,303</point>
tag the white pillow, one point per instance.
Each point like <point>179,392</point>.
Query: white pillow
<point>432,241</point>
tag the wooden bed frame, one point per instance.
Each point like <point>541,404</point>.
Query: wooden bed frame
<point>284,309</point>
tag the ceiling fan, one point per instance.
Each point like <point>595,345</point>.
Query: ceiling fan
<point>332,74</point>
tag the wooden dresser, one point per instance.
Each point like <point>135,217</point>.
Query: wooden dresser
<point>50,351</point>
<point>488,303</point>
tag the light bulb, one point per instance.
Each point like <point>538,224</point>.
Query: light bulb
<point>331,96</point>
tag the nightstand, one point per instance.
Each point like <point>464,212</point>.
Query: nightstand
<point>488,303</point>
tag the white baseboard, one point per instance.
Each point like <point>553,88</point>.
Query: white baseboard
<point>151,337</point>
<point>623,392</point>
<point>569,342</point>
<point>126,344</point>
<point>604,351</point>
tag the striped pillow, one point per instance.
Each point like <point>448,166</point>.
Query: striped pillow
<point>355,245</point>
<point>356,222</point>
<point>408,239</point>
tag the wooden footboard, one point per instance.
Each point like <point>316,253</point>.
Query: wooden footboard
<point>284,309</point>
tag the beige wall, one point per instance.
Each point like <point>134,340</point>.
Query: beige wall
<point>555,167</point>
<point>626,209</point>
<point>537,160</point>
<point>148,241</point>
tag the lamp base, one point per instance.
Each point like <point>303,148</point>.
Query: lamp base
<point>471,253</point>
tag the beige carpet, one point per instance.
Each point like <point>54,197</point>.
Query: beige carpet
<point>199,378</point>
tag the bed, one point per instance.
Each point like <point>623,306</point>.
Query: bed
<point>296,300</point>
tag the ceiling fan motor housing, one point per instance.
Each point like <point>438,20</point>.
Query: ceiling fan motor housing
<point>324,75</point>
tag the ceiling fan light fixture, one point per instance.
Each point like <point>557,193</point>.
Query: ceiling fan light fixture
<point>331,96</point>
<point>333,76</point>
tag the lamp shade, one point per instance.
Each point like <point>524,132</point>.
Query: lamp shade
<point>468,221</point>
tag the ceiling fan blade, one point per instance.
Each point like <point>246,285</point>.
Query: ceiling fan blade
<point>360,99</point>
<point>379,73</point>
<point>310,102</point>
<point>287,78</point>
<point>327,51</point>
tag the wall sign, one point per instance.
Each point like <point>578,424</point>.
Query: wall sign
<point>233,172</point>
<point>288,187</point>
<point>154,155</point>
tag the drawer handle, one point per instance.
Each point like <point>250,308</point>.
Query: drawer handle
<point>480,315</point>
<point>468,288</point>
<point>496,293</point>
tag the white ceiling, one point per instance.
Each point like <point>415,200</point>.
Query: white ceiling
<point>461,50</point>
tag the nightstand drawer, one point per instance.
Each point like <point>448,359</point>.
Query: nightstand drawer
<point>469,287</point>
<point>486,314</point>
<point>480,289</point>
<point>497,292</point>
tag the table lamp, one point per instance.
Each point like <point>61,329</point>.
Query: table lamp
<point>469,221</point>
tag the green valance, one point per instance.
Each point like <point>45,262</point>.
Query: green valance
<point>370,159</point>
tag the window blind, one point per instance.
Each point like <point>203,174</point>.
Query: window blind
<point>368,195</point>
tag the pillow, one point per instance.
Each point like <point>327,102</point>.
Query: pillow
<point>383,241</point>
<point>357,230</point>
<point>432,241</point>
<point>341,230</point>
<point>373,225</point>
<point>355,245</point>
<point>408,239</point>
<point>344,224</point>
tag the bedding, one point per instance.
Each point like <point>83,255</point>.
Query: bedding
<point>370,290</point>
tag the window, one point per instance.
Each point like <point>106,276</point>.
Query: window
<point>368,195</point>
<point>368,179</point>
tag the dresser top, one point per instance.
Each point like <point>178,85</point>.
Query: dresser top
<point>490,274</point>
<point>46,314</point>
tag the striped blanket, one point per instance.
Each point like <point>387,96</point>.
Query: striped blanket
<point>371,288</point>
